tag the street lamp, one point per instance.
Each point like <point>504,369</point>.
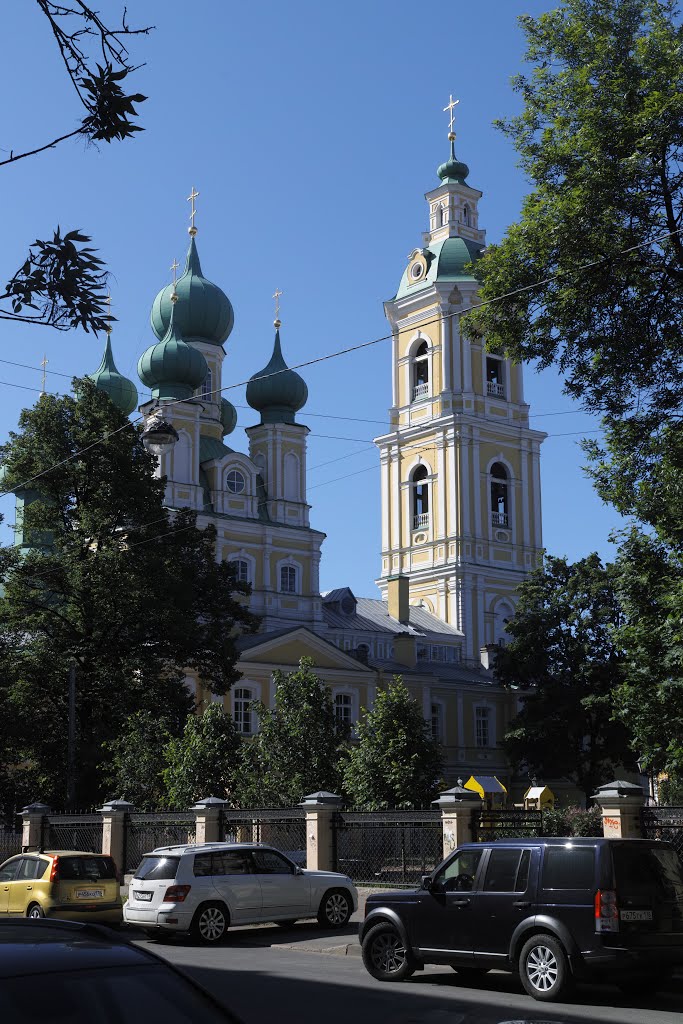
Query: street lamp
<point>159,435</point>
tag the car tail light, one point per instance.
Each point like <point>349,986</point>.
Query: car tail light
<point>606,911</point>
<point>176,893</point>
<point>54,870</point>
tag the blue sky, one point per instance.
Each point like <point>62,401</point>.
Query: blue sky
<point>312,132</point>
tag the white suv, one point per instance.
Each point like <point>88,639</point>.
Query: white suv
<point>205,888</point>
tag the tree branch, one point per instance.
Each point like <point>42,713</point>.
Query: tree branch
<point>32,152</point>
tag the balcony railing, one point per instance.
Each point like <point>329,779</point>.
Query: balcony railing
<point>420,391</point>
<point>499,518</point>
<point>421,521</point>
<point>494,388</point>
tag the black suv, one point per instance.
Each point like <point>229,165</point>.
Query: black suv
<point>551,909</point>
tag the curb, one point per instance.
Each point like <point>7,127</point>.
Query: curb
<point>349,949</point>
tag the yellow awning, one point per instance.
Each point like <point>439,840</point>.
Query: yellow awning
<point>485,785</point>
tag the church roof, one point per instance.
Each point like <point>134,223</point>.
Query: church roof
<point>276,391</point>
<point>447,260</point>
<point>372,615</point>
<point>203,312</point>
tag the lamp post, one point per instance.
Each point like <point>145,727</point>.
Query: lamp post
<point>159,435</point>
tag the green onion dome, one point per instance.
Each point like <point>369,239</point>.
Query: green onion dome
<point>172,368</point>
<point>203,311</point>
<point>228,416</point>
<point>107,378</point>
<point>453,170</point>
<point>276,391</point>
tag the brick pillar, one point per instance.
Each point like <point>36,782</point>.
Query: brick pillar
<point>621,803</point>
<point>208,819</point>
<point>114,831</point>
<point>32,830</point>
<point>459,807</point>
<point>320,807</point>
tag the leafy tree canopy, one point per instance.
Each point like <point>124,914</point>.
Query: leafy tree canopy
<point>133,764</point>
<point>562,651</point>
<point>204,761</point>
<point>397,764</point>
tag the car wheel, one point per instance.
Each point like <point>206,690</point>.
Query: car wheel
<point>385,954</point>
<point>544,968</point>
<point>335,909</point>
<point>287,924</point>
<point>209,924</point>
<point>471,974</point>
<point>35,912</point>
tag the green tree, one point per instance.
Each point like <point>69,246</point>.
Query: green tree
<point>204,761</point>
<point>397,763</point>
<point>113,583</point>
<point>562,652</point>
<point>134,763</point>
<point>298,746</point>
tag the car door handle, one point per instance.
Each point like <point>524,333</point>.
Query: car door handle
<point>461,903</point>
<point>29,886</point>
<point>521,903</point>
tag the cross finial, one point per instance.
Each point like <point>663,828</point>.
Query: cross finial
<point>44,364</point>
<point>276,295</point>
<point>191,198</point>
<point>452,104</point>
<point>108,304</point>
<point>174,267</point>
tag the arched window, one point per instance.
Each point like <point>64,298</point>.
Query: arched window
<point>234,481</point>
<point>466,214</point>
<point>502,616</point>
<point>437,722</point>
<point>207,387</point>
<point>343,709</point>
<point>420,498</point>
<point>288,579</point>
<point>291,477</point>
<point>499,495</point>
<point>495,383</point>
<point>182,458</point>
<point>241,567</point>
<point>421,372</point>
<point>444,214</point>
<point>243,713</point>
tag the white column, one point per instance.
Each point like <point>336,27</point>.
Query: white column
<point>446,384</point>
<point>384,508</point>
<point>466,348</point>
<point>524,456</point>
<point>394,364</point>
<point>455,344</point>
<point>396,497</point>
<point>443,485</point>
<point>536,477</point>
<point>476,485</point>
<point>454,487</point>
<point>464,495</point>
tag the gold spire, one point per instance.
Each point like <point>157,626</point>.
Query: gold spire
<point>277,323</point>
<point>43,364</point>
<point>108,302</point>
<point>452,104</point>
<point>191,198</point>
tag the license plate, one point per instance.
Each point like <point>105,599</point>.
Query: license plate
<point>146,897</point>
<point>636,915</point>
<point>89,894</point>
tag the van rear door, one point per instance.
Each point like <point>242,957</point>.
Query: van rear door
<point>649,884</point>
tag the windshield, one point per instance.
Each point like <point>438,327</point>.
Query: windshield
<point>159,866</point>
<point>647,873</point>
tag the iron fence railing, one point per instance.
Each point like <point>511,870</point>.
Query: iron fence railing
<point>502,824</point>
<point>145,832</point>
<point>285,829</point>
<point>387,847</point>
<point>665,823</point>
<point>10,842</point>
<point>72,832</point>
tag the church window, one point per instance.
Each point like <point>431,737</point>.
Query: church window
<point>420,388</point>
<point>502,616</point>
<point>241,567</point>
<point>495,384</point>
<point>437,722</point>
<point>343,709</point>
<point>207,387</point>
<point>292,477</point>
<point>444,215</point>
<point>234,481</point>
<point>499,495</point>
<point>243,711</point>
<point>482,718</point>
<point>466,214</point>
<point>182,458</point>
<point>420,498</point>
<point>288,579</point>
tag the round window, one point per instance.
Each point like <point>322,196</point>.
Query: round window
<point>416,271</point>
<point>235,481</point>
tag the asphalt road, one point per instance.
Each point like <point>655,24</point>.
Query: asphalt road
<point>300,975</point>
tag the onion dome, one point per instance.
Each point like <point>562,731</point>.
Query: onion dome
<point>107,378</point>
<point>203,312</point>
<point>453,171</point>
<point>228,416</point>
<point>276,391</point>
<point>172,368</point>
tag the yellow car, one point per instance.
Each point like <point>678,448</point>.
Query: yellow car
<point>61,883</point>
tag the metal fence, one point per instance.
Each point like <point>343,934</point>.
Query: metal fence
<point>10,842</point>
<point>283,829</point>
<point>665,823</point>
<point>499,824</point>
<point>72,832</point>
<point>387,847</point>
<point>145,832</point>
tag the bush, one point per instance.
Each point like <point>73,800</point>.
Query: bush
<point>572,821</point>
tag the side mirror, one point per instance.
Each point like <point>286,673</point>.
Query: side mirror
<point>426,882</point>
<point>298,870</point>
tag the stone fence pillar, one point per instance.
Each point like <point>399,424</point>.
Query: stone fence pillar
<point>114,831</point>
<point>621,803</point>
<point>459,810</point>
<point>208,819</point>
<point>32,828</point>
<point>320,808</point>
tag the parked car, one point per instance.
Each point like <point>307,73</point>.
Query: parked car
<point>71,973</point>
<point>203,889</point>
<point>553,909</point>
<point>69,884</point>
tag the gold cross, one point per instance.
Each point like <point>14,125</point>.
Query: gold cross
<point>108,302</point>
<point>451,106</point>
<point>174,267</point>
<point>44,364</point>
<point>191,198</point>
<point>276,296</point>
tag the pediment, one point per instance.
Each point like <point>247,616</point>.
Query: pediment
<point>288,648</point>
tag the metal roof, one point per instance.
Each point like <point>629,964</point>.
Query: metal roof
<point>372,616</point>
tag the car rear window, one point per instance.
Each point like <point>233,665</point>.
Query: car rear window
<point>159,866</point>
<point>569,867</point>
<point>647,873</point>
<point>72,869</point>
